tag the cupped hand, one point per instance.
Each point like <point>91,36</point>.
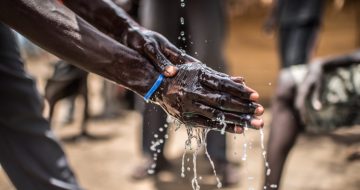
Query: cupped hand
<point>202,97</point>
<point>163,54</point>
<point>310,88</point>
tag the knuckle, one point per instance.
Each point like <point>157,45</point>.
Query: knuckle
<point>150,45</point>
<point>222,100</point>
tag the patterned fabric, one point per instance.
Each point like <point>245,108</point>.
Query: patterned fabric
<point>340,99</point>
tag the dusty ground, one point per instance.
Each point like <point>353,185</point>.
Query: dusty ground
<point>316,163</point>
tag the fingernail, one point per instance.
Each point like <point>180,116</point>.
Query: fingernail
<point>171,70</point>
<point>259,110</point>
<point>166,73</point>
<point>238,129</point>
<point>257,123</point>
<point>254,96</point>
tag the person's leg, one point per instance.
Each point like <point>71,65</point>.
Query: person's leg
<point>284,128</point>
<point>29,152</point>
<point>160,16</point>
<point>297,44</point>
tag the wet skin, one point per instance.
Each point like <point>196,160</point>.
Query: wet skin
<point>199,100</point>
<point>114,21</point>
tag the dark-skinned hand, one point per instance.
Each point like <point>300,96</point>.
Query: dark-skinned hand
<point>163,54</point>
<point>311,88</point>
<point>202,97</point>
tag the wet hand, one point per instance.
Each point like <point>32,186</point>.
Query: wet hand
<point>202,97</point>
<point>157,49</point>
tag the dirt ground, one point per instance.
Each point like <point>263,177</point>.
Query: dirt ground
<point>318,162</point>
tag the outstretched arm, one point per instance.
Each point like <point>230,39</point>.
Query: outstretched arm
<point>114,21</point>
<point>60,31</point>
<point>201,99</point>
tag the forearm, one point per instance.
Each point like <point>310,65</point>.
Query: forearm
<point>60,31</point>
<point>341,61</point>
<point>104,15</point>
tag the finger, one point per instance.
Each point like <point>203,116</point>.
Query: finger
<point>238,79</point>
<point>200,121</point>
<point>229,86</point>
<point>230,103</point>
<point>219,115</point>
<point>175,55</point>
<point>161,62</point>
<point>256,123</point>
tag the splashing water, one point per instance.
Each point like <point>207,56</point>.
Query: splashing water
<point>182,3</point>
<point>199,136</point>
<point>244,156</point>
<point>268,170</point>
<point>182,21</point>
<point>154,148</point>
<point>273,186</point>
<point>222,122</point>
<point>219,184</point>
<point>183,164</point>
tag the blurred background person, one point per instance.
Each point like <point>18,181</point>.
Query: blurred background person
<point>317,98</point>
<point>297,23</point>
<point>199,28</point>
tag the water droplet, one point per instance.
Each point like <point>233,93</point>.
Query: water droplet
<point>183,53</point>
<point>273,186</point>
<point>268,171</point>
<point>182,20</point>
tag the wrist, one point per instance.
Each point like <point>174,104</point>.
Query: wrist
<point>136,73</point>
